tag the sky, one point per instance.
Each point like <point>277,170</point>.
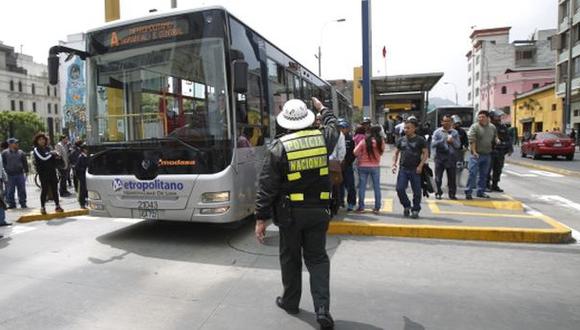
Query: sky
<point>420,35</point>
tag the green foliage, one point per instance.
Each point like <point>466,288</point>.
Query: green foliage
<point>21,125</point>
<point>357,116</point>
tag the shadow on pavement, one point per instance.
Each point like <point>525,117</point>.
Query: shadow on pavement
<point>5,241</point>
<point>198,243</point>
<point>412,325</point>
<point>310,319</point>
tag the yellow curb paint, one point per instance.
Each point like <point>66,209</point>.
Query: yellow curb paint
<point>511,205</point>
<point>498,234</point>
<point>544,168</point>
<point>51,216</point>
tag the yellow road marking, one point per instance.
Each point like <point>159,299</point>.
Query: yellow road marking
<point>498,205</point>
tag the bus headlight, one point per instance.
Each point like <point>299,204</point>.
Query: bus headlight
<point>215,197</point>
<point>93,195</point>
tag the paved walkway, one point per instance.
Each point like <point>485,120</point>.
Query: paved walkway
<point>500,218</point>
<point>33,202</point>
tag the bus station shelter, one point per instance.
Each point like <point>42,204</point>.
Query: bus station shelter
<point>404,95</point>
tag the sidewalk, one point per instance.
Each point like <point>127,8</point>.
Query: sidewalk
<point>498,219</point>
<point>559,165</point>
<point>32,213</point>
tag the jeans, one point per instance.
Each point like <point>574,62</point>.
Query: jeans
<point>348,186</point>
<point>441,167</point>
<point>363,173</point>
<point>2,216</point>
<point>405,176</point>
<point>16,182</point>
<point>478,170</point>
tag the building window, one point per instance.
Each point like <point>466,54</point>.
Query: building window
<point>524,55</point>
<point>476,107</point>
<point>13,105</point>
<point>477,92</point>
<point>536,85</point>
<point>54,90</point>
<point>576,67</point>
<point>477,60</point>
<point>503,89</point>
<point>33,89</point>
<point>33,106</point>
<point>48,90</point>
<point>469,82</point>
<point>477,76</point>
<point>576,33</point>
<point>21,105</point>
<point>563,10</point>
<point>563,42</point>
<point>56,109</point>
<point>11,85</point>
<point>49,108</point>
<point>576,113</point>
<point>553,106</point>
<point>468,96</point>
<point>469,66</point>
<point>563,71</point>
<point>20,86</point>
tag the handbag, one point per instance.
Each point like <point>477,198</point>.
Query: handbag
<point>335,172</point>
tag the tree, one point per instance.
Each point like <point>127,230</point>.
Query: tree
<point>21,125</point>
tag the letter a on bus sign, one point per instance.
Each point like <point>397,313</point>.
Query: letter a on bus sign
<point>114,39</point>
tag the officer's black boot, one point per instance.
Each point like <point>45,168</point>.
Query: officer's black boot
<point>324,318</point>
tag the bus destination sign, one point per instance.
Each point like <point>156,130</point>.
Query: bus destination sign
<point>146,33</point>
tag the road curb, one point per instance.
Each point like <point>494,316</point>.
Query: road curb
<point>51,216</point>
<point>544,168</point>
<point>557,234</point>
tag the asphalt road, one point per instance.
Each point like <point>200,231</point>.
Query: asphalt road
<point>559,162</point>
<point>90,273</point>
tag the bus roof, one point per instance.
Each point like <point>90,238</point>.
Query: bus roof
<point>153,16</point>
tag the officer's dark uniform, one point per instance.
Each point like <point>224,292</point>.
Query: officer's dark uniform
<point>294,190</point>
<point>498,153</point>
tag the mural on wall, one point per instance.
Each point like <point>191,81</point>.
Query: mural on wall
<point>75,107</point>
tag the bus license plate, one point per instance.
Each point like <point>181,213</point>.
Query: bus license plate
<point>148,210</point>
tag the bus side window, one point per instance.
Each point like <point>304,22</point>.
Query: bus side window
<point>249,114</point>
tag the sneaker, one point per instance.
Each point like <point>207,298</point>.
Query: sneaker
<point>438,196</point>
<point>5,224</point>
<point>291,310</point>
<point>376,211</point>
<point>406,212</point>
<point>468,197</point>
<point>415,214</point>
<point>11,207</point>
<point>42,210</point>
<point>58,209</point>
<point>24,206</point>
<point>453,198</point>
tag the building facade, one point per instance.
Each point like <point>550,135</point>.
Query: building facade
<point>567,8</point>
<point>492,55</point>
<point>538,110</point>
<point>504,87</point>
<point>24,87</point>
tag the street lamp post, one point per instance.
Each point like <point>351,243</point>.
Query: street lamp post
<point>319,56</point>
<point>455,88</point>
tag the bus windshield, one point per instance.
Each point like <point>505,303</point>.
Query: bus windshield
<point>166,91</point>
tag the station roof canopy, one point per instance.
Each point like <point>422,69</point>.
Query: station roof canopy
<point>411,83</point>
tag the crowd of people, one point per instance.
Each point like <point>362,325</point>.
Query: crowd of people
<point>487,142</point>
<point>53,166</point>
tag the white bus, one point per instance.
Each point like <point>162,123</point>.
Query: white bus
<point>181,107</point>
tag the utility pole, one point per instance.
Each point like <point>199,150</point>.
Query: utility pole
<point>112,10</point>
<point>568,99</point>
<point>367,57</point>
<point>173,4</point>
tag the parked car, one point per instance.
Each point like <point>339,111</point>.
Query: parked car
<point>549,143</point>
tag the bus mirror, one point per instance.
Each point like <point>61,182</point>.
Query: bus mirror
<point>53,63</point>
<point>240,76</point>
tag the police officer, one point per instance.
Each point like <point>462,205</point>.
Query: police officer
<point>503,145</point>
<point>294,189</point>
<point>464,146</point>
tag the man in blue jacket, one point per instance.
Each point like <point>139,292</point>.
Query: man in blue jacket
<point>446,145</point>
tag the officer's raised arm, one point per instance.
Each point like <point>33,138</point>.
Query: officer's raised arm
<point>328,122</point>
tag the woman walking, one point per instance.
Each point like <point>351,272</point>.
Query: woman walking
<point>369,152</point>
<point>45,160</point>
